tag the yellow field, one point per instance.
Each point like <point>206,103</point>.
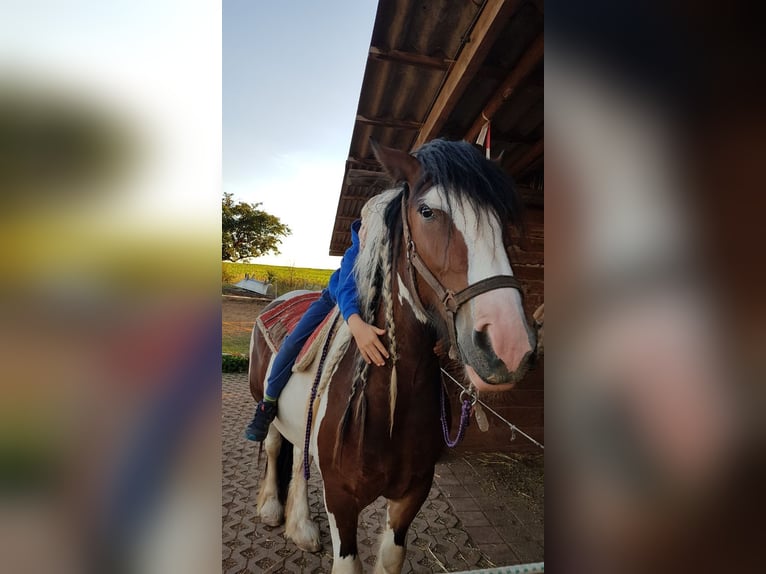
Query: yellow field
<point>284,278</point>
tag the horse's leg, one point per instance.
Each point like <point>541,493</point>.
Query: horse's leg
<point>393,543</point>
<point>299,527</point>
<point>343,524</point>
<point>269,507</point>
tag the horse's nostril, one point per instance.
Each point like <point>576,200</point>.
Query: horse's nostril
<point>481,324</point>
<point>481,340</point>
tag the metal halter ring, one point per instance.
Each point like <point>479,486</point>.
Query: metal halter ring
<point>471,395</point>
<point>449,301</point>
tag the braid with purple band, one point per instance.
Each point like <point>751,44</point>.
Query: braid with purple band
<point>464,414</point>
<point>314,387</point>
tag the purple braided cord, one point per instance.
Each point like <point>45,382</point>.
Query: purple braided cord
<point>314,387</point>
<point>464,414</point>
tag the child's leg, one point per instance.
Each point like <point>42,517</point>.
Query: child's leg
<point>292,345</point>
<point>283,364</point>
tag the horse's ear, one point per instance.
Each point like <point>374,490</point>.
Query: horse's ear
<point>400,165</point>
<point>498,161</point>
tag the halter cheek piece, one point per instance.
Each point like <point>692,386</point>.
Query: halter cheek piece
<point>450,300</point>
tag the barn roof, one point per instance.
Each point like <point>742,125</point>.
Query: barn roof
<point>441,69</point>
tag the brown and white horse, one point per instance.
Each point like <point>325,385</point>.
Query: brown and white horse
<point>433,266</point>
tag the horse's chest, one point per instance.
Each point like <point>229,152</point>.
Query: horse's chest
<point>388,466</point>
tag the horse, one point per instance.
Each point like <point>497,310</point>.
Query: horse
<point>433,267</point>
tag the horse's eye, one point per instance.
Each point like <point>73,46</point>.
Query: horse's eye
<point>426,212</point>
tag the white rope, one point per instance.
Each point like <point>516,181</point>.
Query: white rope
<point>512,426</point>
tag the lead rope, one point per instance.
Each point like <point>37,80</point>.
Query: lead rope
<point>465,413</point>
<point>513,427</point>
<point>314,386</point>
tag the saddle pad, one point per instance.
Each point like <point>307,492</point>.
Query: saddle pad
<point>279,321</point>
<point>316,341</point>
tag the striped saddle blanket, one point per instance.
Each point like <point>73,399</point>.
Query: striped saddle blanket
<point>279,321</point>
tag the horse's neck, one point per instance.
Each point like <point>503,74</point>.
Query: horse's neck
<point>415,340</point>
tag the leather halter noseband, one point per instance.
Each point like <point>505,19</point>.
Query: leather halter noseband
<point>450,300</point>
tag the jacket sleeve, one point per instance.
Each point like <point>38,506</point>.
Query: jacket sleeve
<point>347,295</point>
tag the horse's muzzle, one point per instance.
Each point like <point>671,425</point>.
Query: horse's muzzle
<point>488,366</point>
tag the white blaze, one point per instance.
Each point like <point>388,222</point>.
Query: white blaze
<point>498,312</point>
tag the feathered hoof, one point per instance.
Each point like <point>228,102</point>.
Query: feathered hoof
<point>306,537</point>
<point>310,546</point>
<point>272,512</point>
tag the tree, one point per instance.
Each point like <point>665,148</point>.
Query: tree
<point>249,231</point>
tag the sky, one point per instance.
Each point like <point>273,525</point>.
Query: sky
<point>292,72</point>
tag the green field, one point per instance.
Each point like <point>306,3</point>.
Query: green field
<point>236,336</point>
<point>284,278</point>
<point>237,343</point>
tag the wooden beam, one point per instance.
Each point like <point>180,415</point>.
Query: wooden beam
<point>422,61</point>
<point>525,65</point>
<point>371,163</point>
<point>357,197</point>
<point>488,26</point>
<point>389,123</point>
<point>410,58</point>
<point>359,172</point>
<point>527,159</point>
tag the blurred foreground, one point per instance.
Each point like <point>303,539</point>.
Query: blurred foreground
<point>110,339</point>
<point>654,286</point>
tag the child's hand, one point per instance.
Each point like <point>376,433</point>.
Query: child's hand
<point>366,337</point>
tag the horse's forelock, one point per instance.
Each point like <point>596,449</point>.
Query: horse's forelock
<point>462,172</point>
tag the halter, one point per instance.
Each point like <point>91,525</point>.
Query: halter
<point>450,300</point>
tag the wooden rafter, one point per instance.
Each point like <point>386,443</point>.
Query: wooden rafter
<point>429,62</point>
<point>389,123</point>
<point>411,58</point>
<point>370,163</point>
<point>528,61</point>
<point>531,155</point>
<point>356,197</point>
<point>490,23</point>
<point>358,171</point>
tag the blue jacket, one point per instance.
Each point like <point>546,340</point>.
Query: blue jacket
<point>342,286</point>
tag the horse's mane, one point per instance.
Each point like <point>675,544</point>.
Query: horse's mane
<point>372,273</point>
<point>372,255</point>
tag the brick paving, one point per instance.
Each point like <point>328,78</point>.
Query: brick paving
<point>466,523</point>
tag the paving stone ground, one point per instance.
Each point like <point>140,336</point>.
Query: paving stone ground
<point>484,509</point>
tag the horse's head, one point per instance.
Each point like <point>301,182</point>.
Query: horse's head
<point>456,210</point>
